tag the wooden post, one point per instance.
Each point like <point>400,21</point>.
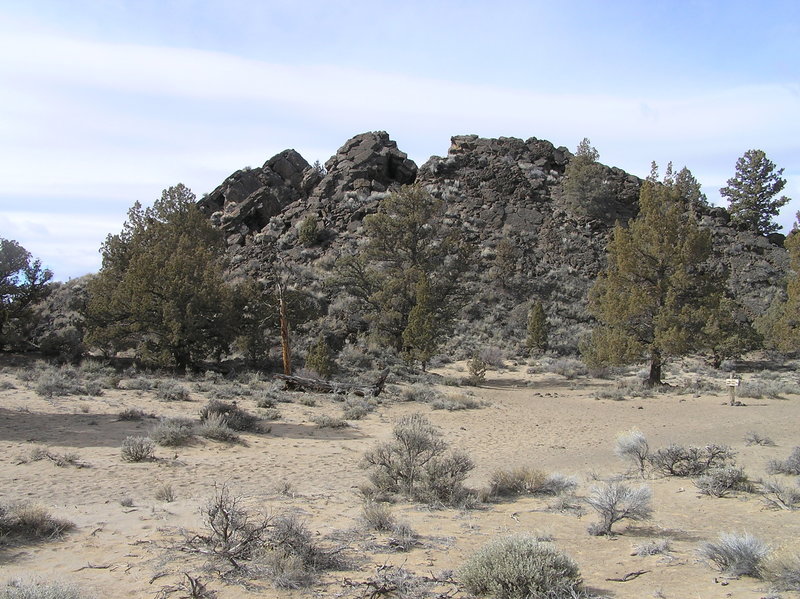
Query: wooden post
<point>732,383</point>
<point>285,349</point>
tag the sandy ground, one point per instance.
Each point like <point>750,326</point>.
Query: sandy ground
<point>538,420</point>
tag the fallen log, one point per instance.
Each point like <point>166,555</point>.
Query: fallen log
<point>305,384</point>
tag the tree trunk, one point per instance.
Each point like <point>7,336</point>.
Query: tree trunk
<point>655,369</point>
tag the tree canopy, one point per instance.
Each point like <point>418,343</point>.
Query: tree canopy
<point>160,290</point>
<point>23,282</point>
<point>752,193</point>
<point>654,295</point>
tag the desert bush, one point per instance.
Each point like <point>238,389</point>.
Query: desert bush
<point>521,567</point>
<point>721,482</point>
<point>355,408</point>
<point>270,414</point>
<point>777,496</point>
<point>233,534</point>
<point>476,368</point>
<point>165,493</point>
<point>754,438</point>
<point>138,383</point>
<point>216,427</point>
<point>137,449</point>
<point>676,460</point>
<point>654,547</point>
<point>61,460</point>
<point>308,401</point>
<point>569,368</point>
<point>18,589</point>
<point>172,432</point>
<point>758,389</point>
<point>326,421</point>
<point>616,501</point>
<point>632,447</point>
<point>377,516</point>
<point>172,391</point>
<point>132,414</point>
<point>420,393</point>
<point>28,522</point>
<point>515,481</point>
<point>235,418</point>
<point>265,399</point>
<point>492,356</point>
<point>290,536</point>
<point>736,554</point>
<point>782,571</point>
<point>415,464</point>
<point>58,382</point>
<point>453,404</point>
<point>790,465</point>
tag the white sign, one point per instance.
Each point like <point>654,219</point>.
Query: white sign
<point>732,382</point>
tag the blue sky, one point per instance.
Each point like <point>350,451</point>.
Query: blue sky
<point>103,103</point>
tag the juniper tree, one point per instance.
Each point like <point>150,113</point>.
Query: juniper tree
<point>584,189</point>
<point>406,237</point>
<point>781,324</point>
<point>160,289</point>
<point>751,192</point>
<point>23,282</point>
<point>654,295</point>
<point>537,328</point>
<point>420,335</point>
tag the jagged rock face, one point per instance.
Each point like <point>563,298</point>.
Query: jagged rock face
<point>502,194</point>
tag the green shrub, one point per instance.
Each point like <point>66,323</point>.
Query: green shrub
<point>477,370</point>
<point>521,567</point>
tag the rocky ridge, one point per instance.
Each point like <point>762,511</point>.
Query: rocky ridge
<point>498,192</point>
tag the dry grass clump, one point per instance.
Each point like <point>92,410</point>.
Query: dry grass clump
<point>27,522</point>
<point>420,393</point>
<point>521,567</point>
<point>453,404</point>
<point>171,390</point>
<point>616,501</point>
<point>721,482</point>
<point>528,481</point>
<point>165,493</point>
<point>736,554</point>
<point>790,465</point>
<point>173,432</point>
<point>18,589</point>
<point>234,417</point>
<point>62,460</point>
<point>137,449</point>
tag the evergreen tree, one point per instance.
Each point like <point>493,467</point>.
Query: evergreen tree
<point>23,282</point>
<point>654,296</point>
<point>319,358</point>
<point>751,193</point>
<point>585,190</point>
<point>420,335</point>
<point>781,325</point>
<point>160,289</point>
<point>404,238</point>
<point>537,329</point>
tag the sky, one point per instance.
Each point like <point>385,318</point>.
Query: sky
<point>107,102</point>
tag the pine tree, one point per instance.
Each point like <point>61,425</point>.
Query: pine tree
<point>319,358</point>
<point>654,296</point>
<point>751,193</point>
<point>585,190</point>
<point>537,329</point>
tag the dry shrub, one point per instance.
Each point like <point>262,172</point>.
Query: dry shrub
<point>521,567</point>
<point>133,415</point>
<point>736,554</point>
<point>528,481</point>
<point>721,482</point>
<point>676,460</point>
<point>235,418</point>
<point>616,501</point>
<point>632,447</point>
<point>173,432</point>
<point>782,571</point>
<point>754,438</point>
<point>356,408</point>
<point>377,516</point>
<point>654,547</point>
<point>172,391</point>
<point>325,421</point>
<point>215,427</point>
<point>779,497</point>
<point>165,493</point>
<point>137,449</point>
<point>18,589</point>
<point>454,404</point>
<point>790,465</point>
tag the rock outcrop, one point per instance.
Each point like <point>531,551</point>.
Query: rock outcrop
<point>504,195</point>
